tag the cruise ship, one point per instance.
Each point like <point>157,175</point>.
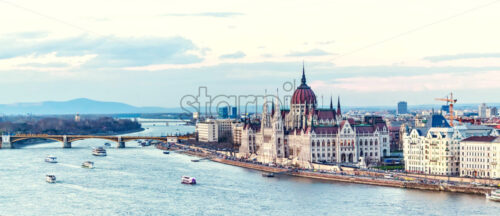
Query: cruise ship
<point>188,180</point>
<point>99,151</point>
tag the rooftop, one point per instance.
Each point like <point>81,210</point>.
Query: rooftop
<point>482,139</point>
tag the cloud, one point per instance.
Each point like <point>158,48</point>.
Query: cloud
<point>235,55</point>
<point>208,14</point>
<point>461,56</point>
<point>109,51</point>
<point>313,52</point>
<point>415,83</point>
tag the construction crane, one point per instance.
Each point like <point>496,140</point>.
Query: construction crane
<point>451,102</point>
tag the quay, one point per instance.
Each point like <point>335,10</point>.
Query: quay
<point>431,183</point>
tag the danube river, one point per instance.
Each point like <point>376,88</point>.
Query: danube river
<point>143,181</point>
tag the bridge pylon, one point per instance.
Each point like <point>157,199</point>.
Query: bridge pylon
<point>121,143</point>
<point>6,144</point>
<point>65,142</point>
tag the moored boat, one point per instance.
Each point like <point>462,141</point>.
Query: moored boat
<point>99,151</point>
<point>195,160</point>
<point>188,180</point>
<point>50,178</point>
<point>166,152</point>
<point>268,174</point>
<point>51,159</point>
<point>88,164</point>
<point>107,144</point>
<point>494,195</point>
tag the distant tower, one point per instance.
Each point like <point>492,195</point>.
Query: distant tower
<point>77,117</point>
<point>402,107</point>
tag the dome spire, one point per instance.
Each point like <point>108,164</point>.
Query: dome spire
<point>303,74</point>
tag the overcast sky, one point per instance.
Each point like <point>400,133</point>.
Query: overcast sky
<point>151,53</point>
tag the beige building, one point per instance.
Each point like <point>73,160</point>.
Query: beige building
<point>480,157</point>
<point>207,131</point>
<point>237,129</point>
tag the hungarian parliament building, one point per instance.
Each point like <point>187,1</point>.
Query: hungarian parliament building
<point>306,134</point>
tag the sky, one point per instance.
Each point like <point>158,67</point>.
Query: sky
<point>153,53</point>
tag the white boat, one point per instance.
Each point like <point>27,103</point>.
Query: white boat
<point>50,178</point>
<point>88,164</point>
<point>99,151</point>
<point>268,174</point>
<point>188,180</point>
<point>51,159</point>
<point>494,195</point>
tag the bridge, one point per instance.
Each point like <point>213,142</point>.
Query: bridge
<point>66,140</point>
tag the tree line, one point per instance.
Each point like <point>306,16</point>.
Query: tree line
<point>61,126</point>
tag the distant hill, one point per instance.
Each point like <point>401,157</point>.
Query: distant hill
<point>80,105</point>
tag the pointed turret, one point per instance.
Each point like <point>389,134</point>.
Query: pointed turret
<point>303,74</point>
<point>339,112</point>
<point>331,103</point>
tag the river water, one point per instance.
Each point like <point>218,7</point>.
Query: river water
<point>143,181</point>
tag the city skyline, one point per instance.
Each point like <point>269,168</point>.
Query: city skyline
<point>89,51</point>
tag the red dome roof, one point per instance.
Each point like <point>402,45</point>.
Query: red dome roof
<point>304,94</point>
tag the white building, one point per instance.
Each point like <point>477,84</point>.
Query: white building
<point>435,149</point>
<point>480,157</point>
<point>207,131</point>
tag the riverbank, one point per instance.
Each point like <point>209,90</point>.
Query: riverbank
<point>351,176</point>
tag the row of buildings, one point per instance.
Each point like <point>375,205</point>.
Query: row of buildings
<point>463,150</point>
<point>304,133</point>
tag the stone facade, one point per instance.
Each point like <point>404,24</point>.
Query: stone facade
<point>305,134</point>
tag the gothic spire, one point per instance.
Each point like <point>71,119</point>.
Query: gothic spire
<point>331,103</point>
<point>338,107</point>
<point>303,74</point>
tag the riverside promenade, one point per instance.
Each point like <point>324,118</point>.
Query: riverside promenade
<point>349,176</point>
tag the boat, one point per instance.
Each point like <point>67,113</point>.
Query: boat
<point>50,178</point>
<point>88,164</point>
<point>51,159</point>
<point>268,174</point>
<point>166,152</point>
<point>107,144</point>
<point>195,160</point>
<point>99,151</point>
<point>188,180</point>
<point>494,195</point>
